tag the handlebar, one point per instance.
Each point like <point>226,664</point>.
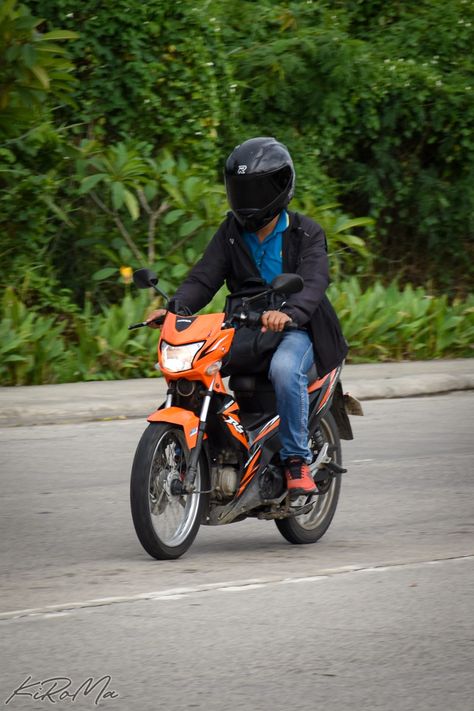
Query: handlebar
<point>253,319</point>
<point>159,321</point>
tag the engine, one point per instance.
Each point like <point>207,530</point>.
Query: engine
<point>225,475</point>
<point>227,480</point>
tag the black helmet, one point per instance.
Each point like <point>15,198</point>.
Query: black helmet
<point>260,181</point>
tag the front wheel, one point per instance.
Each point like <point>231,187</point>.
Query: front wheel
<point>308,528</point>
<point>165,524</point>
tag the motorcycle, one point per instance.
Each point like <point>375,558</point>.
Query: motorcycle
<point>211,457</point>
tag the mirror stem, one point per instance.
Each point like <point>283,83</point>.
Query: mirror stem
<point>161,293</point>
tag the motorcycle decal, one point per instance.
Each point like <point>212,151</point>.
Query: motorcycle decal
<point>216,344</point>
<point>221,345</point>
<point>230,406</point>
<point>268,427</point>
<point>250,471</point>
<point>237,426</point>
<point>231,418</point>
<point>318,384</point>
<point>328,393</point>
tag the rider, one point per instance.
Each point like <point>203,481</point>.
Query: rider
<point>261,238</point>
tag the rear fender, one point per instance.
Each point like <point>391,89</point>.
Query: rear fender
<point>338,411</point>
<point>188,421</point>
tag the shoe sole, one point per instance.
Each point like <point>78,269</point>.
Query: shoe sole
<point>300,491</point>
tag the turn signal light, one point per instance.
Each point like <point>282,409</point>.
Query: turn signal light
<point>214,368</point>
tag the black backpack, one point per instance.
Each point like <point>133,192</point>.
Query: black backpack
<point>251,350</point>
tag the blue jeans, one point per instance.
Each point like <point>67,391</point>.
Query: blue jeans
<point>290,363</point>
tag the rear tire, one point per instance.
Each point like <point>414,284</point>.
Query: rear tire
<point>310,527</point>
<point>166,524</point>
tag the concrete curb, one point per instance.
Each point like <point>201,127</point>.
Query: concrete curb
<point>411,386</point>
<point>122,399</point>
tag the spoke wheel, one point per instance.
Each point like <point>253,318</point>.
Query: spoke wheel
<point>309,527</point>
<point>166,524</point>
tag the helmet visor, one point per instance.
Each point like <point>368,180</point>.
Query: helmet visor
<point>255,192</point>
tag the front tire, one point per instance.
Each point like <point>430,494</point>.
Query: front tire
<point>166,524</point>
<point>310,527</point>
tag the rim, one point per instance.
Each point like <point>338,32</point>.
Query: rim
<point>172,517</point>
<point>323,502</point>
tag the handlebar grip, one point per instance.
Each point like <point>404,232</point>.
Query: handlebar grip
<point>253,319</point>
<point>159,321</point>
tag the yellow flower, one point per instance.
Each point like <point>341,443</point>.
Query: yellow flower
<point>126,274</point>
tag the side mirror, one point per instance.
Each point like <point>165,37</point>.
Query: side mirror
<point>145,278</point>
<point>287,284</point>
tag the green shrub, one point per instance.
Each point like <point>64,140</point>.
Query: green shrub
<point>34,68</point>
<point>104,348</point>
<point>32,347</point>
<point>390,323</point>
<point>149,71</point>
<point>379,323</point>
<point>378,96</point>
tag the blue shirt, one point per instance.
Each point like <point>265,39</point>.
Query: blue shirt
<point>268,254</point>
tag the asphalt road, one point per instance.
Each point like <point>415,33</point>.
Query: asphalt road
<point>377,615</point>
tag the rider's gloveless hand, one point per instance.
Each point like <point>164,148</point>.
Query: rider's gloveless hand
<point>159,313</point>
<point>274,321</point>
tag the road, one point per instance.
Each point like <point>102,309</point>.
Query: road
<point>377,615</point>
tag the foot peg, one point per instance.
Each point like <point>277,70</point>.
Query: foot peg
<point>324,465</point>
<point>335,468</point>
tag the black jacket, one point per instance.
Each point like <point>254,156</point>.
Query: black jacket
<point>227,258</point>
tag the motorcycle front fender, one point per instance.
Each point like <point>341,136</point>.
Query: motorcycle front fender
<point>188,421</point>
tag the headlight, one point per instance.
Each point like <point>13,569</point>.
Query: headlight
<point>178,358</point>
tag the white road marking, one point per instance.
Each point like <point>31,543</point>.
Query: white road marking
<point>65,608</point>
<point>309,579</point>
<point>237,588</point>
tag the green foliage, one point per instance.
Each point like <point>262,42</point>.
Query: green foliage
<point>389,323</point>
<point>34,72</point>
<point>383,104</point>
<point>380,324</point>
<point>37,349</point>
<point>148,71</point>
<point>32,68</point>
<point>103,347</point>
<point>111,153</point>
<point>349,253</point>
<point>32,348</point>
<point>161,212</point>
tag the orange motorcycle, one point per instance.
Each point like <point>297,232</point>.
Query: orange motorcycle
<point>210,456</point>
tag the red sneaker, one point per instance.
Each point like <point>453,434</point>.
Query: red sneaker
<point>298,477</point>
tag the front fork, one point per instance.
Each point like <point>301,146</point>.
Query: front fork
<point>187,485</point>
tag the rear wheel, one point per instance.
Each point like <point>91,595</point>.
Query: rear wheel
<point>165,524</point>
<point>309,527</point>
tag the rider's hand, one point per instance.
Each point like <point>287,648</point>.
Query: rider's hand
<point>159,313</point>
<point>274,321</point>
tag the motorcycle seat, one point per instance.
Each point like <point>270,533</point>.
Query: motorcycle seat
<point>260,383</point>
